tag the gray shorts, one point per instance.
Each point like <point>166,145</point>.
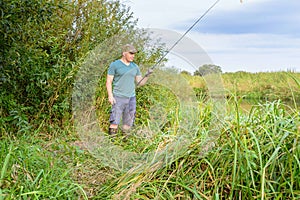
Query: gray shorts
<point>125,109</point>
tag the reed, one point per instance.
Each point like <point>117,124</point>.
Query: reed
<point>253,155</point>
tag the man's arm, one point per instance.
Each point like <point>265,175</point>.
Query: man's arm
<point>109,81</point>
<point>142,80</point>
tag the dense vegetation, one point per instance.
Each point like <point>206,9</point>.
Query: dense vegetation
<point>43,43</point>
<point>253,154</point>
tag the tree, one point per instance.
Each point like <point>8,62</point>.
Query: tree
<point>42,45</point>
<point>207,69</point>
<point>185,72</point>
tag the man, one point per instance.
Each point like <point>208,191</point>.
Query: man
<point>122,76</point>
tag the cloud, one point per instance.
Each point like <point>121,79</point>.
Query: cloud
<point>271,17</point>
<point>256,35</point>
<point>167,13</point>
<point>251,52</point>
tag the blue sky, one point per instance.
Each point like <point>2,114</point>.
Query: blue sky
<point>253,36</point>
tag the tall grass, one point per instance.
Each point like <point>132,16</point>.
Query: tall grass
<point>256,156</point>
<point>36,169</point>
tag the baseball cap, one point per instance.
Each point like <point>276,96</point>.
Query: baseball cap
<point>129,48</point>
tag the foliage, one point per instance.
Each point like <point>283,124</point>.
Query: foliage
<point>43,44</point>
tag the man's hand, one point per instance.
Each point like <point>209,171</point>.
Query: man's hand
<point>142,80</point>
<point>149,72</point>
<point>111,100</point>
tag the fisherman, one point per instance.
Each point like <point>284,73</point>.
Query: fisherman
<point>122,76</point>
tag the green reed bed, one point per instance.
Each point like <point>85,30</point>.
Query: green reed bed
<point>257,156</point>
<point>263,85</point>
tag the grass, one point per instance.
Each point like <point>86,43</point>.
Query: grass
<point>257,160</point>
<point>37,169</point>
<point>255,156</point>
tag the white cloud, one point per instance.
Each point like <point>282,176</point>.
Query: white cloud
<point>251,52</point>
<point>166,13</point>
<point>275,17</point>
<point>169,13</point>
<point>256,35</point>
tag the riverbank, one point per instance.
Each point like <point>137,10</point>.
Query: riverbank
<point>264,85</point>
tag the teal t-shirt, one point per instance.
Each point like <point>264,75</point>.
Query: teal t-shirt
<point>124,78</point>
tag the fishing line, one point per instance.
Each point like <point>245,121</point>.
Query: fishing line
<point>186,32</point>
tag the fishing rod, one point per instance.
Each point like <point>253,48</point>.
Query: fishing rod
<point>186,32</point>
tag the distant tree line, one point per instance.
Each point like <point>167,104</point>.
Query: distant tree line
<point>207,69</point>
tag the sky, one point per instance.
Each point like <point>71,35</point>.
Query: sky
<point>251,36</point>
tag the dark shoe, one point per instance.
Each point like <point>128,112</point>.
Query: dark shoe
<point>112,131</point>
<point>125,135</point>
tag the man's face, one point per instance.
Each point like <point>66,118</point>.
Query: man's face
<point>129,56</point>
